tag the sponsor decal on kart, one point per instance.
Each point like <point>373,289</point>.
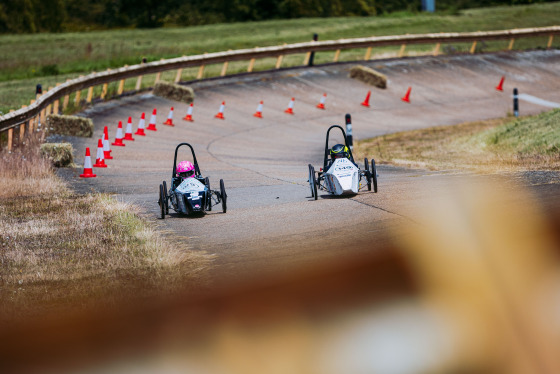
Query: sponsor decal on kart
<point>190,185</point>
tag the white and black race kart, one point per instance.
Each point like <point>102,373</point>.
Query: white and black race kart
<point>190,195</point>
<point>341,176</point>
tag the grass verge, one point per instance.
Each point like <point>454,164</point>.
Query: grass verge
<point>505,144</point>
<point>61,250</point>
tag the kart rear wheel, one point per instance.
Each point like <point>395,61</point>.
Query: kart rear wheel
<point>374,175</point>
<point>368,174</point>
<point>161,207</point>
<point>208,195</point>
<point>166,200</point>
<point>312,182</point>
<point>223,195</point>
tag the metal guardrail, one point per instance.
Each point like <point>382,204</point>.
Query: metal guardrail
<point>49,102</point>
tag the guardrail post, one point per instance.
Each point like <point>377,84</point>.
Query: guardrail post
<point>200,72</point>
<point>368,54</point>
<point>55,106</point>
<point>510,46</point>
<point>311,56</point>
<point>89,94</point>
<point>21,130</point>
<point>178,75</point>
<point>401,51</point>
<point>279,61</point>
<point>515,103</point>
<point>473,47</point>
<point>436,49</point>
<point>32,121</point>
<point>549,44</point>
<point>121,85</point>
<point>224,69</point>
<point>251,65</point>
<point>336,55</point>
<point>10,137</point>
<point>78,96</point>
<point>66,100</point>
<point>104,89</point>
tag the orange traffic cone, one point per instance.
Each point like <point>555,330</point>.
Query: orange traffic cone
<point>100,159</point>
<point>366,101</point>
<point>500,86</point>
<point>321,104</point>
<point>106,145</point>
<point>220,114</point>
<point>406,97</point>
<point>128,133</point>
<point>88,170</point>
<point>258,113</point>
<point>152,124</point>
<point>290,109</point>
<point>119,137</point>
<point>169,121</point>
<point>141,126</point>
<point>188,117</point>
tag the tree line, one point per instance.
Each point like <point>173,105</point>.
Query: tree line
<point>31,16</point>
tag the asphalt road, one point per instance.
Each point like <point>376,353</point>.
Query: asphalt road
<point>263,162</point>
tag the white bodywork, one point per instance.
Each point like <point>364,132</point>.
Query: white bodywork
<point>190,185</point>
<point>343,177</point>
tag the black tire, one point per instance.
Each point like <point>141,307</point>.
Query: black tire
<point>208,195</point>
<point>166,201</point>
<point>368,174</point>
<point>312,182</point>
<point>161,207</point>
<point>223,195</point>
<point>374,175</point>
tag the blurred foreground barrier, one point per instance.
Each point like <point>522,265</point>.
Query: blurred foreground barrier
<point>49,102</point>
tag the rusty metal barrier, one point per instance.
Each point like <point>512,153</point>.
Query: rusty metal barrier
<point>49,102</point>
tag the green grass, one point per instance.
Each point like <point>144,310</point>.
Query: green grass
<point>528,143</point>
<point>46,58</point>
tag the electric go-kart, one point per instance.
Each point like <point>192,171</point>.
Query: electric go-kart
<point>340,175</point>
<point>190,195</point>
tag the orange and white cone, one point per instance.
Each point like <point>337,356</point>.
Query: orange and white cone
<point>128,133</point>
<point>141,126</point>
<point>258,113</point>
<point>106,145</point>
<point>152,124</point>
<point>100,159</point>
<point>119,137</point>
<point>220,114</point>
<point>88,170</point>
<point>169,121</point>
<point>188,117</point>
<point>290,109</point>
<point>406,97</point>
<point>366,101</point>
<point>321,104</point>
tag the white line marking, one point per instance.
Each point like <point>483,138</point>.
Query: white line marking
<point>536,100</point>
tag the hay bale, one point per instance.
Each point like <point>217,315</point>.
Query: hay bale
<point>60,154</point>
<point>70,125</point>
<point>174,92</point>
<point>369,76</point>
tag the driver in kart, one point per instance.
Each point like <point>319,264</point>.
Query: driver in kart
<point>185,169</point>
<point>339,151</point>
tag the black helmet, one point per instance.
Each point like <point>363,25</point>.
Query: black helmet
<point>339,151</point>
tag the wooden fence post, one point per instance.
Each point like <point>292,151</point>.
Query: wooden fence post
<point>251,65</point>
<point>306,59</point>
<point>10,137</point>
<point>473,47</point>
<point>436,49</point>
<point>279,61</point>
<point>121,85</point>
<point>21,130</point>
<point>368,54</point>
<point>178,76</point>
<point>158,75</point>
<point>78,96</point>
<point>336,55</point>
<point>510,46</point>
<point>401,51</point>
<point>549,44</point>
<point>66,100</point>
<point>224,69</point>
<point>32,121</point>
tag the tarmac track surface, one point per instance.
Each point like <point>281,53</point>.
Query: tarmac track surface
<point>271,216</point>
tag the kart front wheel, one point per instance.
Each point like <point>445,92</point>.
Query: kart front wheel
<point>312,182</point>
<point>374,175</point>
<point>165,200</point>
<point>368,174</point>
<point>223,195</point>
<point>161,207</point>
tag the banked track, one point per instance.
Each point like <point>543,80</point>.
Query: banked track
<point>264,161</point>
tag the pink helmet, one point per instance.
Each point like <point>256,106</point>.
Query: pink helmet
<point>185,169</point>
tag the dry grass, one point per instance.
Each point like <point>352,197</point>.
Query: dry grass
<point>504,144</point>
<point>368,76</point>
<point>66,250</point>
